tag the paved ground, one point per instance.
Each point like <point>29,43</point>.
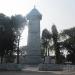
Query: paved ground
<point>63,72</point>
<point>36,73</point>
<point>25,73</point>
<point>35,69</point>
<point>29,70</point>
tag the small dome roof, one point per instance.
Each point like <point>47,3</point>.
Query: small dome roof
<point>34,13</point>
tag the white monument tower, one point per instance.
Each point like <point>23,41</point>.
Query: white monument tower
<point>34,52</point>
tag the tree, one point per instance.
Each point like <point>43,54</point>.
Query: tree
<point>69,43</point>
<point>46,36</point>
<point>11,29</point>
<point>56,44</point>
<point>7,37</point>
<point>9,44</point>
<point>18,22</point>
<point>51,41</point>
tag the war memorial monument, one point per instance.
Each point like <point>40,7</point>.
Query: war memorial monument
<point>33,51</point>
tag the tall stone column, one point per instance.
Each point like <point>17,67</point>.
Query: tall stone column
<point>34,52</point>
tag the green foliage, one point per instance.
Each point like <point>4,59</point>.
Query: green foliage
<point>7,37</point>
<point>18,22</point>
<point>56,44</point>
<point>69,43</point>
<point>50,42</point>
<point>9,28</point>
<point>46,36</point>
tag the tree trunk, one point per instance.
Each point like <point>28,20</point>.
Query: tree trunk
<point>57,53</point>
<point>1,59</point>
<point>18,50</point>
<point>48,52</point>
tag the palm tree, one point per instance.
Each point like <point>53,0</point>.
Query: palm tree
<point>46,36</point>
<point>56,44</point>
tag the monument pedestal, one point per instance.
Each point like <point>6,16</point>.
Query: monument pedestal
<point>31,59</point>
<point>47,60</point>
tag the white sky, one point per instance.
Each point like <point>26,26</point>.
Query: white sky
<point>58,12</point>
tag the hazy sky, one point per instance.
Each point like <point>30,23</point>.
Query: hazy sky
<point>58,12</point>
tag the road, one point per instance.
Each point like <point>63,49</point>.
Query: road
<point>34,73</point>
<point>25,73</point>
